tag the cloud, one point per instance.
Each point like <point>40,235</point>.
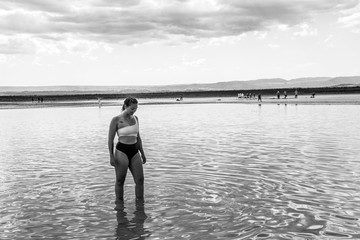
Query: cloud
<point>16,45</point>
<point>306,30</point>
<point>351,19</point>
<point>19,21</point>
<point>196,62</point>
<point>63,6</point>
<point>171,21</point>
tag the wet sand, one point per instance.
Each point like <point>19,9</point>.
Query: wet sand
<point>328,99</point>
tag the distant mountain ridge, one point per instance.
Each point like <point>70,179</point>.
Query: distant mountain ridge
<point>273,83</point>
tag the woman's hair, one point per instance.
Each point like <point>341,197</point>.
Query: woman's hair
<point>128,101</point>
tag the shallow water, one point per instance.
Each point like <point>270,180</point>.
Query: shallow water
<point>214,171</point>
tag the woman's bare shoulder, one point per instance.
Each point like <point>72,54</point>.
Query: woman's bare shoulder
<point>116,119</point>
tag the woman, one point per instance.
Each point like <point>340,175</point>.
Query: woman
<point>126,154</point>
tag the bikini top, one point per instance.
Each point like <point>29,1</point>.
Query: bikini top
<point>129,131</point>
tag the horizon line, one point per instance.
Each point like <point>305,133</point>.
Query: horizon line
<point>178,84</point>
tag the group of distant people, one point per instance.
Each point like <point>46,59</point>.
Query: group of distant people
<point>247,95</point>
<point>285,94</point>
<point>295,94</point>
<point>278,95</point>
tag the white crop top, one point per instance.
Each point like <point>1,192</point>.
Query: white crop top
<point>131,130</point>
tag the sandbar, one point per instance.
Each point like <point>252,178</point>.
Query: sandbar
<point>320,99</point>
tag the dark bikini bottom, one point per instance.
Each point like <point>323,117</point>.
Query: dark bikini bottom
<point>129,149</point>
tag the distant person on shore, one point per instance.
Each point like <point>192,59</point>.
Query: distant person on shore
<point>180,99</point>
<point>312,95</point>
<point>259,97</point>
<point>296,93</point>
<point>278,94</point>
<point>99,102</point>
<point>126,155</point>
<point>285,94</point>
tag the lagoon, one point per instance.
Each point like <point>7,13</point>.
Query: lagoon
<point>214,171</point>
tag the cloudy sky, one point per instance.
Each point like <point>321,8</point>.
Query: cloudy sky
<point>155,42</point>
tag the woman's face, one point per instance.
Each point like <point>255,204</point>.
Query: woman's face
<point>131,109</point>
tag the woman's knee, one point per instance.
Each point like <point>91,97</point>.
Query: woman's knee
<point>139,180</point>
<point>120,181</point>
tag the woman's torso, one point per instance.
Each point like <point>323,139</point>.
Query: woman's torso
<point>127,129</point>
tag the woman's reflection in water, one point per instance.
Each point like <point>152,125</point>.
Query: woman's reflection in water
<point>134,228</point>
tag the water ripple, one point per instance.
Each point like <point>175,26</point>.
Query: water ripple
<point>228,172</point>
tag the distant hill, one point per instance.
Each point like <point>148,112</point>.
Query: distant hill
<point>273,83</point>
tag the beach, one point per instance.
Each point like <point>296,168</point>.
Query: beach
<point>352,99</point>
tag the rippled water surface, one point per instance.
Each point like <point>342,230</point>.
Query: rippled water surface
<point>214,171</point>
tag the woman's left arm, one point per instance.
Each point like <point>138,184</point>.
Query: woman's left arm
<point>139,141</point>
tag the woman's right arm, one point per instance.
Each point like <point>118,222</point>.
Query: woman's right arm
<point>111,136</point>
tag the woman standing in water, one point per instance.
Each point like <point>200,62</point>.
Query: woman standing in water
<point>126,155</point>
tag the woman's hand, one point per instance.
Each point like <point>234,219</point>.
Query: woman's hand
<point>112,160</point>
<point>143,159</point>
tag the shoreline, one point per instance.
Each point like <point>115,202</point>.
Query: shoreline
<point>321,99</point>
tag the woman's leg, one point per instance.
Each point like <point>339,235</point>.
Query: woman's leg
<point>136,168</point>
<point>121,167</point>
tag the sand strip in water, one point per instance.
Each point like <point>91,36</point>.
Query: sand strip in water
<point>338,99</point>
